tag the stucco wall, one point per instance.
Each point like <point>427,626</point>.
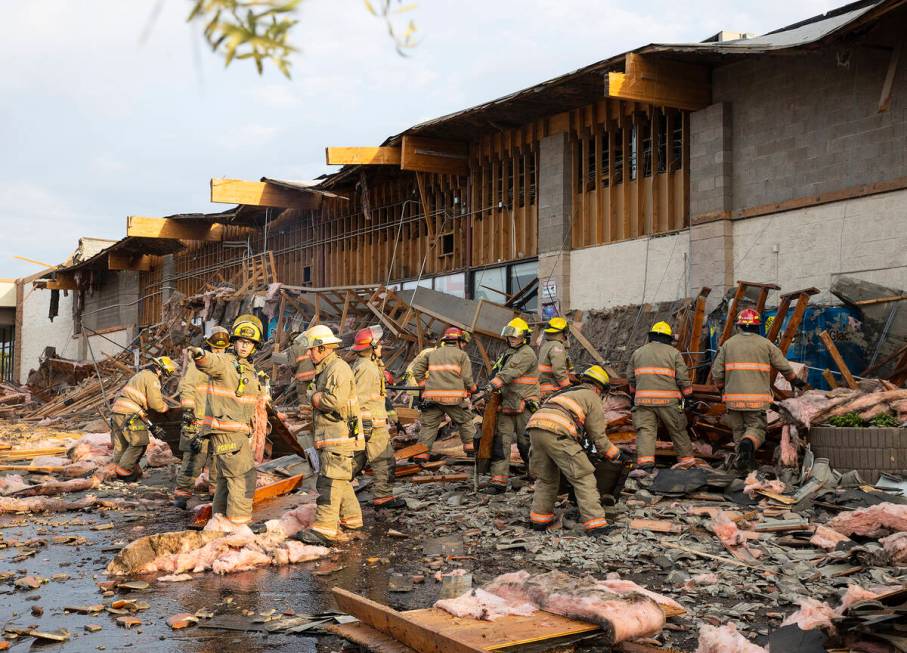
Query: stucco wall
<point>864,238</point>
<point>630,272</point>
<point>38,332</point>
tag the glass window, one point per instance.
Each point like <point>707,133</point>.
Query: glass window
<point>490,284</point>
<point>425,283</point>
<point>452,284</point>
<point>408,285</point>
<point>521,275</point>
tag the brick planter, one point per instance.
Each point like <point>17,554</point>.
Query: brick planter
<point>870,451</point>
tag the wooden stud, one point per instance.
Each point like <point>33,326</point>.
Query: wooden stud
<point>136,263</point>
<point>63,281</point>
<point>839,360</point>
<point>830,379</point>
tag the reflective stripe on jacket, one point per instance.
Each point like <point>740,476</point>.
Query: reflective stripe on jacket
<point>446,375</point>
<point>141,394</point>
<point>335,405</point>
<point>743,370</point>
<point>554,365</point>
<point>658,375</point>
<point>369,376</point>
<point>573,411</point>
<point>232,393</point>
<point>517,379</point>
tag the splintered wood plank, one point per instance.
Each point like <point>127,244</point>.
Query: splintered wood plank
<point>401,626</point>
<point>656,525</point>
<point>261,193</point>
<point>410,451</point>
<point>506,632</point>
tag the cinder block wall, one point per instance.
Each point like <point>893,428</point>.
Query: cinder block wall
<point>807,124</point>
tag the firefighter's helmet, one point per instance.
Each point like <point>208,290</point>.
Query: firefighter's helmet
<point>597,375</point>
<point>749,317</point>
<point>219,338</point>
<point>516,328</point>
<point>556,325</point>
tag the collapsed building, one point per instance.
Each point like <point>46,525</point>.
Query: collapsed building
<point>677,181</point>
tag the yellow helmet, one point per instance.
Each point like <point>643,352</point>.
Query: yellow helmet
<point>247,326</point>
<point>219,338</point>
<point>661,327</point>
<point>556,325</point>
<point>516,328</point>
<point>166,364</point>
<point>598,374</point>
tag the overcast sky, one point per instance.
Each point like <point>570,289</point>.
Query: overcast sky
<point>97,124</point>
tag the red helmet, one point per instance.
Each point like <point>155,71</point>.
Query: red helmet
<point>452,334</point>
<point>367,337</point>
<point>388,377</point>
<point>749,317</point>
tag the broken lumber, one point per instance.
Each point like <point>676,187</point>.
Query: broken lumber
<point>439,478</point>
<point>839,360</point>
<point>262,494</point>
<point>656,525</point>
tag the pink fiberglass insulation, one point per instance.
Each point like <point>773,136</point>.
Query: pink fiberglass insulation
<point>12,483</point>
<point>725,639</point>
<point>812,614</point>
<point>174,578</point>
<point>621,616</point>
<point>788,450</point>
<point>159,454</point>
<point>896,547</point>
<point>871,521</point>
<point>91,446</point>
<point>754,483</point>
<point>44,504</point>
<point>811,406</point>
<point>700,580</point>
<point>480,604</point>
<point>236,548</point>
<point>259,429</point>
<point>827,538</point>
<point>293,521</point>
<point>621,587</point>
<point>854,594</point>
<point>50,461</point>
<point>52,488</point>
<point>727,530</point>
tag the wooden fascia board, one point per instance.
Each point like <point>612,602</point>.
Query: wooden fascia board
<point>336,156</point>
<point>435,155</point>
<point>62,281</point>
<point>133,263</point>
<point>662,83</point>
<point>144,227</point>
<point>261,193</point>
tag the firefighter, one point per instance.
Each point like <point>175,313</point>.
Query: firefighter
<point>659,381</point>
<point>234,388</point>
<point>743,371</point>
<point>555,367</point>
<point>193,390</point>
<point>556,430</point>
<point>368,370</point>
<point>410,379</point>
<point>304,369</point>
<point>337,429</point>
<point>515,377</point>
<point>446,375</point>
<point>129,423</point>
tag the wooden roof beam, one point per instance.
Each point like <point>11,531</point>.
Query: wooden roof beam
<point>435,155</point>
<point>261,193</point>
<point>63,281</point>
<point>143,227</point>
<point>662,83</point>
<point>129,262</point>
<point>369,156</point>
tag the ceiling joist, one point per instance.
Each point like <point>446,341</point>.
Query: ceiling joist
<point>62,281</point>
<point>662,83</point>
<point>336,156</point>
<point>129,262</point>
<point>261,193</point>
<point>435,155</point>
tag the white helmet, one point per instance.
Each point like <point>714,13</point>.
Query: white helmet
<point>320,335</point>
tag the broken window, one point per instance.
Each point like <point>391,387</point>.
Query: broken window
<point>307,275</point>
<point>447,244</point>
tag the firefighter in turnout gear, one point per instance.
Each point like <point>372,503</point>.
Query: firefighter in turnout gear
<point>193,391</point>
<point>368,370</point>
<point>446,375</point>
<point>337,429</point>
<point>234,388</point>
<point>129,423</point>
<point>556,431</point>
<point>410,379</point>
<point>304,369</point>
<point>659,381</point>
<point>516,378</point>
<point>555,367</point>
<point>743,371</point>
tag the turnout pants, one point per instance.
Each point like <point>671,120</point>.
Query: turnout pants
<point>433,415</point>
<point>128,444</point>
<point>235,488</point>
<point>553,455</point>
<point>750,424</point>
<point>381,459</point>
<point>193,464</point>
<point>646,420</point>
<point>337,504</point>
<point>510,429</point>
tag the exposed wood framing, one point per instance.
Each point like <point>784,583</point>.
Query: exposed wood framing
<point>435,155</point>
<point>144,227</point>
<point>335,156</point>
<point>839,360</point>
<point>662,82</point>
<point>261,193</point>
<point>137,262</point>
<point>63,281</point>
